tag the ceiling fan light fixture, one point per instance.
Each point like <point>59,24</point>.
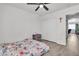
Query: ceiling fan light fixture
<point>41,6</point>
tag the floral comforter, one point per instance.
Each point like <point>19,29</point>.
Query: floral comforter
<point>27,47</point>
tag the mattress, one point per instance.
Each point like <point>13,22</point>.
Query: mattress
<point>27,47</point>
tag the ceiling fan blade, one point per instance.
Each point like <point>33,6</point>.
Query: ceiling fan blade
<point>45,7</point>
<point>46,3</point>
<point>37,8</point>
<point>33,3</point>
<point>37,3</point>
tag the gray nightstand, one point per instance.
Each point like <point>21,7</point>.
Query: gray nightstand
<point>36,37</point>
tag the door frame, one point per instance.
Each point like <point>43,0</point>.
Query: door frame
<point>66,29</point>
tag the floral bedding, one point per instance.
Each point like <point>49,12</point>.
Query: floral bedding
<point>27,47</point>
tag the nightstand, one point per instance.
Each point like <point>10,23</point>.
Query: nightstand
<point>36,37</point>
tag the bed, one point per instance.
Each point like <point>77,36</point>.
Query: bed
<point>27,47</point>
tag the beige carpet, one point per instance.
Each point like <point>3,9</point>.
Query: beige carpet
<point>60,50</point>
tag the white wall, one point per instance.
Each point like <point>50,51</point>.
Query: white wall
<point>52,29</point>
<point>17,24</point>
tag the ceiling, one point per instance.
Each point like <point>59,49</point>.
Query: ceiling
<point>73,19</point>
<point>53,7</point>
<point>76,15</point>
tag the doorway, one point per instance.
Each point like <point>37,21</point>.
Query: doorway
<point>72,25</point>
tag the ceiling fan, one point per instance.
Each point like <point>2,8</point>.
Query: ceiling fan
<point>40,5</point>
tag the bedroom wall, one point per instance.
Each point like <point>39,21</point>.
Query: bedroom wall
<point>17,24</point>
<point>53,29</point>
